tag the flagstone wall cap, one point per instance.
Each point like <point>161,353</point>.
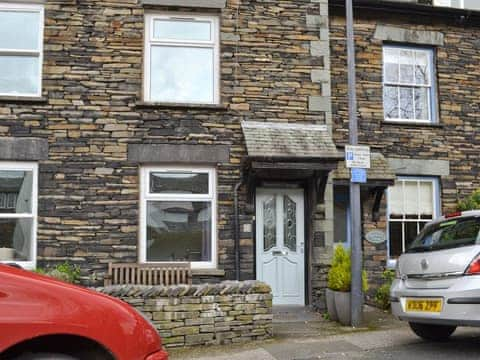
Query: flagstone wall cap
<point>223,288</point>
<point>379,170</point>
<point>288,140</point>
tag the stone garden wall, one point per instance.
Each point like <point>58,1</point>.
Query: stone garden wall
<point>224,313</point>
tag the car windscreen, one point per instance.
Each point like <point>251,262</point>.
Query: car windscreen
<point>448,234</point>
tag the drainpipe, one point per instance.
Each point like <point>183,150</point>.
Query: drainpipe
<point>236,230</point>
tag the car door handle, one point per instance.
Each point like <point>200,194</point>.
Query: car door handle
<point>279,253</point>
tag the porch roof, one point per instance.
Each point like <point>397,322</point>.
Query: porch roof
<point>379,171</point>
<point>269,140</point>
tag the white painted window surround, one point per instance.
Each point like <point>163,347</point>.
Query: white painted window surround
<point>18,223</point>
<point>21,49</point>
<point>459,4</point>
<point>411,203</point>
<point>178,215</point>
<point>181,58</point>
<point>408,84</point>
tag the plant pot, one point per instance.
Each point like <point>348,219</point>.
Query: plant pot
<point>342,305</point>
<point>330,298</point>
<point>7,254</point>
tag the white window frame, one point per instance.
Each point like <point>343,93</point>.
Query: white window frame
<point>431,86</point>
<point>448,3</point>
<point>33,167</point>
<point>151,41</point>
<point>21,7</point>
<point>391,262</point>
<point>145,196</point>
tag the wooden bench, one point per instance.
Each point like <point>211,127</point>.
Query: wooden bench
<point>148,274</point>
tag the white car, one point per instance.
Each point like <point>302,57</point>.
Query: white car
<point>437,285</point>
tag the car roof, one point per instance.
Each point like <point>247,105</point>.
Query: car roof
<point>462,214</point>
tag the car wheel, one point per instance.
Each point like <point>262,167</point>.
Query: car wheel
<point>432,332</point>
<point>45,356</point>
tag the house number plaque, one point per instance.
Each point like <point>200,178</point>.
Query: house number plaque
<point>376,237</point>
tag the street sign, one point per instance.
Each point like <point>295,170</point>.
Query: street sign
<point>359,175</point>
<point>357,156</point>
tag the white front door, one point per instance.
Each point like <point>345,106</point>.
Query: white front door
<point>280,244</point>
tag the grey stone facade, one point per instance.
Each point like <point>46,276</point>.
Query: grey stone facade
<point>444,150</point>
<point>274,64</point>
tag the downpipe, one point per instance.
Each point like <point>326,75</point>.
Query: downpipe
<point>236,230</point>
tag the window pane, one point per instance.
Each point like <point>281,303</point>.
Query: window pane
<point>406,103</point>
<point>426,199</point>
<point>178,182</point>
<point>390,55</point>
<point>269,223</point>
<point>19,75</point>
<point>15,239</point>
<point>422,110</point>
<point>19,30</point>
<point>422,76</point>
<point>182,30</point>
<point>395,238</point>
<point>15,191</point>
<point>179,231</point>
<point>391,73</point>
<point>411,232</point>
<point>411,198</point>
<point>406,66</point>
<point>181,74</point>
<point>290,223</point>
<point>390,102</point>
<point>395,199</point>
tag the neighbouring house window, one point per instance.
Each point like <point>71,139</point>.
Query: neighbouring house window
<point>412,202</point>
<point>178,215</point>
<point>21,44</point>
<point>408,84</point>
<point>181,59</point>
<point>18,213</point>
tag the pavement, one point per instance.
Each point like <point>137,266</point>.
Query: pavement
<point>304,335</point>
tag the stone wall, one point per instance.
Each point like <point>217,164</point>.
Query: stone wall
<point>229,312</point>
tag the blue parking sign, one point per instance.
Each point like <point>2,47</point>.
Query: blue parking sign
<point>359,175</point>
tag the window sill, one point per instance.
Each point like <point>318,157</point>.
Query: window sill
<point>22,99</point>
<point>154,105</point>
<point>208,272</point>
<point>412,124</point>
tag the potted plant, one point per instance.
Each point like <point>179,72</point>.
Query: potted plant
<point>339,257</point>
<point>339,282</point>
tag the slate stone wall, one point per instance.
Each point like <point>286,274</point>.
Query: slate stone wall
<point>274,66</point>
<point>455,137</point>
<point>229,312</point>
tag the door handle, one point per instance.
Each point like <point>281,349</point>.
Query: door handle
<point>279,253</point>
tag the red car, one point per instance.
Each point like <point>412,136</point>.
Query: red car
<point>42,318</point>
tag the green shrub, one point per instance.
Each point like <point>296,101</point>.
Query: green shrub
<point>382,296</point>
<point>65,272</point>
<point>339,276</point>
<point>470,203</point>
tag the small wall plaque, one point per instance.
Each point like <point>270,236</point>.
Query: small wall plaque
<point>376,237</point>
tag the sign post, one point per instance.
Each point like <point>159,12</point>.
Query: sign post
<point>355,219</point>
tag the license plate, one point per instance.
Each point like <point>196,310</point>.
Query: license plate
<point>424,305</point>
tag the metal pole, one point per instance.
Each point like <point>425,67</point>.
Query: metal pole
<point>355,208</point>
